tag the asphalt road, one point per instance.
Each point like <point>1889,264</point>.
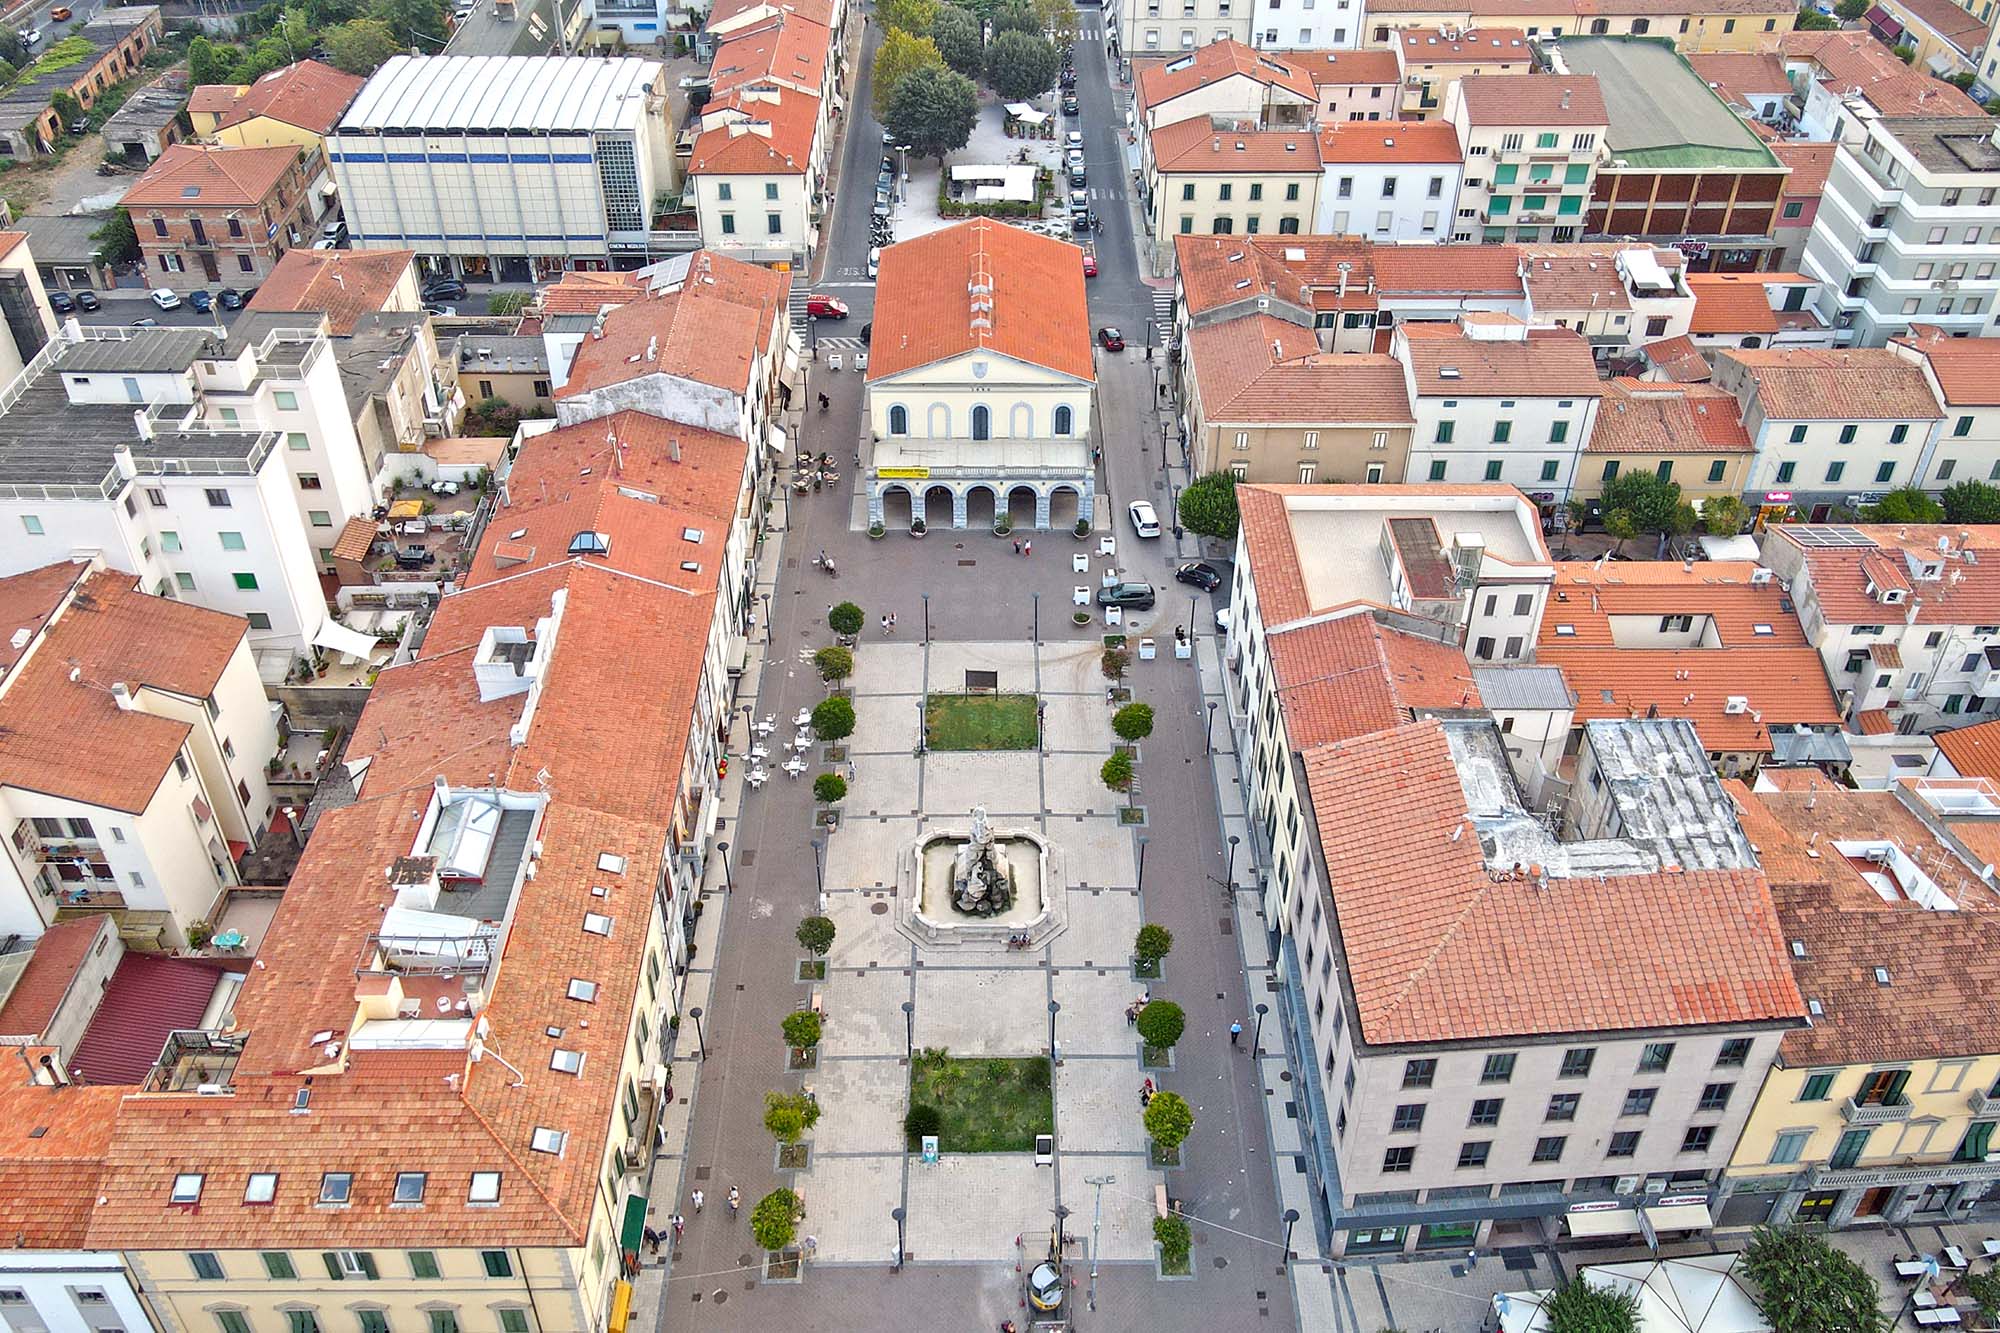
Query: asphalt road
<point>36,15</point>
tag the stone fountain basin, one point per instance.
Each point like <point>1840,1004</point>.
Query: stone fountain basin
<point>924,889</point>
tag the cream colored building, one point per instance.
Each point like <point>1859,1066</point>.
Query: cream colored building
<point>1436,58</point>
<point>24,305</point>
<point>1227,79</point>
<point>296,107</point>
<point>1531,149</point>
<point>1203,178</point>
<point>1701,25</point>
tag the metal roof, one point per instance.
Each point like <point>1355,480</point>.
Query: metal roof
<point>550,94</point>
<point>1523,687</point>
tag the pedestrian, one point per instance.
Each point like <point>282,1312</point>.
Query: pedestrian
<point>1027,548</point>
<point>829,613</point>
<point>680,1226</point>
<point>697,1200</point>
<point>735,1199</point>
<point>1017,546</point>
<point>821,562</point>
<point>811,1244</point>
<point>653,1241</point>
<point>1235,1031</point>
<point>892,622</point>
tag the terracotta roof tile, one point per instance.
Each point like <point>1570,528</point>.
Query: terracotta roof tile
<point>1657,416</point>
<point>1856,60</point>
<point>308,94</point>
<point>1329,69</point>
<point>1466,46</point>
<point>27,600</point>
<point>1390,141</point>
<point>1544,363</point>
<point>1541,99</point>
<point>768,136</point>
<point>1350,675</point>
<point>790,48</point>
<point>1737,75</point>
<point>927,308</point>
<point>1810,164</point>
<point>189,175</point>
<point>1584,277</point>
<point>1163,82</point>
<point>356,540</point>
<point>52,1149</point>
<point>344,285</point>
<point>1967,369</point>
<point>40,988</point>
<point>1974,751</point>
<point>1960,27</point>
<point>1731,303</point>
<point>1306,270</point>
<point>213,99</point>
<point>1262,369</point>
<point>1197,146</point>
<point>1827,384</point>
<point>1875,722</point>
<point>1966,593</point>
<point>709,329</point>
<point>1679,359</point>
<point>579,292</point>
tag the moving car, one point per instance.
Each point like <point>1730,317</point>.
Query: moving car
<point>821,306</point>
<point>444,289</point>
<point>229,299</point>
<point>1201,574</point>
<point>165,299</point>
<point>88,301</point>
<point>1138,596</point>
<point>1110,339</point>
<point>201,301</point>
<point>60,13</point>
<point>1145,520</point>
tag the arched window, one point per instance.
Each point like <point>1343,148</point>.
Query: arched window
<point>1065,420</point>
<point>1021,421</point>
<point>937,421</point>
<point>899,420</point>
<point>982,422</point>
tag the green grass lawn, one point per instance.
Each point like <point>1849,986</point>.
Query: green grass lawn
<point>988,1105</point>
<point>979,722</point>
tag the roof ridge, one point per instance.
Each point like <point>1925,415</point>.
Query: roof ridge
<point>465,1099</point>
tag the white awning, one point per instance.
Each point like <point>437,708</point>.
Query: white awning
<point>340,639</point>
<point>1680,1217</point>
<point>777,440</point>
<point>1607,1222</point>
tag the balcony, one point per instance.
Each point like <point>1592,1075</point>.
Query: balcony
<point>1875,1113</point>
<point>1983,1104</point>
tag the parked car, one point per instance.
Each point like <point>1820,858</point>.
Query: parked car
<point>1200,574</point>
<point>33,38</point>
<point>201,301</point>
<point>230,299</point>
<point>874,260</point>
<point>165,299</point>
<point>436,311</point>
<point>1075,141</point>
<point>821,306</point>
<point>1077,179</point>
<point>147,323</point>
<point>1110,339</point>
<point>88,301</point>
<point>1089,264</point>
<point>1138,596</point>
<point>444,289</point>
<point>62,303</point>
<point>60,13</point>
<point>1079,201</point>
<point>1070,107</point>
<point>335,230</point>
<point>1145,519</point>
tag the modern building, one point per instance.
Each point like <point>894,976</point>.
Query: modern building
<point>1695,25</point>
<point>1531,155</point>
<point>1229,80</point>
<point>28,322</point>
<point>511,168</point>
<point>298,105</point>
<point>221,215</point>
<point>1904,617</point>
<point>1903,233</point>
<point>1689,434</point>
<point>1882,1109</point>
<point>1204,177</point>
<point>981,383</point>
<point>1351,85</point>
<point>1436,58</point>
<point>1390,181</point>
<point>118,38</point>
<point>1964,374</point>
<point>134,734</point>
<point>1676,166</point>
<point>1831,426</point>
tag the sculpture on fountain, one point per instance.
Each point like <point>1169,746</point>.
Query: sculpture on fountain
<point>982,881</point>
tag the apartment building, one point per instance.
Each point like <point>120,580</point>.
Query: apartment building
<point>346,286</point>
<point>1531,155</point>
<point>1849,76</point>
<point>1714,644</point>
<point>221,215</point>
<point>1696,25</point>
<point>1757,310</point>
<point>1902,236</point>
<point>298,106</point>
<point>1689,434</point>
<point>1964,375</point>
<point>757,171</point>
<point>1434,59</point>
<point>1620,297</point>
<point>1204,177</point>
<point>1498,402</point>
<point>1351,85</point>
<point>1946,38</point>
<point>1227,80</point>
<point>1798,200</point>
<point>507,167</point>
<point>1904,618</point>
<point>134,734</point>
<point>25,315</point>
<point>1269,406</point>
<point>1881,1110</point>
<point>1831,426</point>
<point>1136,30</point>
<point>1391,181</point>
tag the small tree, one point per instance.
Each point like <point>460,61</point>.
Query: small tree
<point>829,788</point>
<point>923,1118</point>
<point>1169,1120</point>
<point>1020,65</point>
<point>68,109</point>
<point>844,619</point>
<point>1208,506</point>
<point>1058,19</point>
<point>1807,1286</point>
<point>802,1029</point>
<point>1578,1307</point>
<point>1133,722</point>
<point>1811,20</point>
<point>815,935</point>
<point>1850,10</point>
<point>959,40</point>
<point>117,240</point>
<point>1171,1232</point>
<point>1907,54</point>
<point>361,46</point>
<point>1984,1287</point>
<point>788,1115</point>
<point>1152,944</point>
<point>1971,502</point>
<point>775,1219</point>
<point>1723,515</point>
<point>1619,523</point>
<point>834,663</point>
<point>1113,664</point>
<point>932,109</point>
<point>1161,1023</point>
<point>1117,772</point>
<point>1652,502</point>
<point>900,55</point>
<point>833,719</point>
<point>209,63</point>
<point>1905,504</point>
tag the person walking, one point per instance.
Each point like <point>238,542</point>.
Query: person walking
<point>735,1199</point>
<point>680,1226</point>
<point>696,1200</point>
<point>1017,546</point>
<point>1027,548</point>
<point>1235,1031</point>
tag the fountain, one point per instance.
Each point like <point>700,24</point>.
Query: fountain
<point>979,887</point>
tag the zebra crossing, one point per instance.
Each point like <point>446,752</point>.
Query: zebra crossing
<point>1163,316</point>
<point>798,308</point>
<point>839,344</point>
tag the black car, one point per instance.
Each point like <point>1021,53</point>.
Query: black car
<point>1069,104</point>
<point>1201,574</point>
<point>62,302</point>
<point>201,301</point>
<point>88,301</point>
<point>1137,596</point>
<point>444,289</point>
<point>229,299</point>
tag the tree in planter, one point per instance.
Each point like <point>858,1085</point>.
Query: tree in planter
<point>829,789</point>
<point>1208,506</point>
<point>1967,502</point>
<point>802,1029</point>
<point>833,719</point>
<point>1169,1120</point>
<point>844,619</point>
<point>1113,664</point>
<point>1620,524</point>
<point>1578,1307</point>
<point>1117,772</point>
<point>1171,1232</point>
<point>959,40</point>
<point>815,935</point>
<point>1905,504</point>
<point>1723,515</point>
<point>1984,1287</point>
<point>775,1219</point>
<point>1151,945</point>
<point>1161,1023</point>
<point>834,663</point>
<point>788,1115</point>
<point>1807,1286</point>
<point>933,111</point>
<point>1133,722</point>
<point>1021,65</point>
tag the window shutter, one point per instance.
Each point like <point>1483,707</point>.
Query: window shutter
<point>1894,1092</point>
<point>332,1264</point>
<point>368,1264</point>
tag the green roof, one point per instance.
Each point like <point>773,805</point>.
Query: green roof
<point>1663,114</point>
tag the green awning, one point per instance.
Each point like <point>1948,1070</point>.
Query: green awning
<point>633,1233</point>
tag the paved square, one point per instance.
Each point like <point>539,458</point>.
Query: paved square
<point>864,1012</point>
<point>861,1106</point>
<point>1102,1101</point>
<point>1002,1012</point>
<point>973,1206</point>
<point>1101,927</point>
<point>884,724</point>
<point>863,935</point>
<point>1008,783</point>
<point>848,1202</point>
<point>1092,1021</point>
<point>888,668</point>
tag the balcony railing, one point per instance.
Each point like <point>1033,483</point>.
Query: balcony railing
<point>1875,1113</point>
<point>1984,1104</point>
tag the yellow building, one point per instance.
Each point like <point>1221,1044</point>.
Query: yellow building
<point>1882,1109</point>
<point>297,105</point>
<point>1686,433</point>
<point>1695,25</point>
<point>1205,179</point>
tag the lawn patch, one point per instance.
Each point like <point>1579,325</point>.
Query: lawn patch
<point>984,1105</point>
<point>979,722</point>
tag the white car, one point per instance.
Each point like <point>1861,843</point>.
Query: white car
<point>1144,521</point>
<point>1075,159</point>
<point>165,299</point>
<point>874,260</point>
<point>1076,141</point>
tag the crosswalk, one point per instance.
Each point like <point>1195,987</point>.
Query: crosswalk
<point>1163,316</point>
<point>840,344</point>
<point>798,308</point>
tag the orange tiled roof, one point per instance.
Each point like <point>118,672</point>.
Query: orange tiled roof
<point>1197,146</point>
<point>1738,75</point>
<point>344,285</point>
<point>1437,948</point>
<point>789,48</point>
<point>1350,675</point>
<point>308,94</point>
<point>357,539</point>
<point>1262,369</point>
<point>1390,141</point>
<point>1875,722</point>
<point>773,137</point>
<point>709,329</point>
<point>1967,369</point>
<point>1966,593</point>
<point>193,176</point>
<point>1306,270</point>
<point>45,980</point>
<point>1856,60</point>
<point>1679,359</point>
<point>926,309</point>
<point>1731,303</point>
<point>1328,69</point>
<point>70,738</point>
<point>27,600</point>
<point>579,292</point>
<point>1213,63</point>
<point>1829,384</point>
<point>1661,417</point>
<point>1466,46</point>
<point>1583,276</point>
<point>1537,100</point>
<point>215,98</point>
<point>1810,164</point>
<point>1974,751</point>
<point>1546,363</point>
<point>52,1148</point>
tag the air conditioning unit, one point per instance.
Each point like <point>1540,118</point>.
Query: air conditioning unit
<point>1626,1185</point>
<point>1656,1187</point>
<point>1736,703</point>
<point>1759,577</point>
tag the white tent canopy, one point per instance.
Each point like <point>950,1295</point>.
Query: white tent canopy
<point>1702,1293</point>
<point>1026,114</point>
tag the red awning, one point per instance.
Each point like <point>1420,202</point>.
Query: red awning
<point>1885,23</point>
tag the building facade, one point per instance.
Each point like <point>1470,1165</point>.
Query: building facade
<point>1392,181</point>
<point>1531,155</point>
<point>208,215</point>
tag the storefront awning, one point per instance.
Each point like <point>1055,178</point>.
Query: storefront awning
<point>1680,1217</point>
<point>777,440</point>
<point>340,639</point>
<point>1608,1222</point>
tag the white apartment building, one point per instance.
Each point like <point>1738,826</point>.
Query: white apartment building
<point>756,173</point>
<point>1831,426</point>
<point>1390,181</point>
<point>1499,402</point>
<point>134,734</point>
<point>1964,375</point>
<point>1618,295</point>
<point>72,1291</point>
<point>510,167</point>
<point>24,305</point>
<point>1135,29</point>
<point>1336,25</point>
<point>1908,229</point>
<point>1531,147</point>
<point>1906,618</point>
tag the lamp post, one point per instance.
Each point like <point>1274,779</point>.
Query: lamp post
<point>1055,1007</point>
<point>927,617</point>
<point>909,1028</point>
<point>897,1213</point>
<point>920,724</point>
<point>1142,863</point>
<point>819,865</point>
<point>723,849</point>
<point>1229,875</point>
<point>1037,637</point>
<point>700,1041</point>
<point>1291,1220</point>
<point>1209,735</point>
<point>1257,1032</point>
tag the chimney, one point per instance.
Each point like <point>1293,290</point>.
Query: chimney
<point>143,422</point>
<point>674,449</point>
<point>122,696</point>
<point>1565,99</point>
<point>121,454</point>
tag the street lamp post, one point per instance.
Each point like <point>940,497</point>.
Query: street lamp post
<point>1229,876</point>
<point>1038,618</point>
<point>1142,863</point>
<point>909,1028</point>
<point>920,724</point>
<point>700,1041</point>
<point>1055,1007</point>
<point>723,849</point>
<point>1291,1219</point>
<point>1209,735</point>
<point>1257,1032</point>
<point>819,865</point>
<point>927,617</point>
<point>897,1213</point>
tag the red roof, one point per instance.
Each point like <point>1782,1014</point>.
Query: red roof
<point>1196,145</point>
<point>1533,99</point>
<point>1731,303</point>
<point>1810,164</point>
<point>196,176</point>
<point>1856,60</point>
<point>344,285</point>
<point>27,600</point>
<point>769,135</point>
<point>1966,592</point>
<point>1336,272</point>
<point>1974,751</point>
<point>1213,63</point>
<point>149,996</point>
<point>308,94</point>
<point>1350,675</point>
<point>1663,417</point>
<point>709,329</point>
<point>1466,46</point>
<point>40,988</point>
<point>1390,141</point>
<point>1967,369</point>
<point>1329,69</point>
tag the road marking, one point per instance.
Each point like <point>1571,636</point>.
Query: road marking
<point>847,284</point>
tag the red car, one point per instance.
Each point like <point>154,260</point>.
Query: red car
<point>1090,266</point>
<point>1111,339</point>
<point>819,306</point>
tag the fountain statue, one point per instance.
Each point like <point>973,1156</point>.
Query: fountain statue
<point>982,882</point>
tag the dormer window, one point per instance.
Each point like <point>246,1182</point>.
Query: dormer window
<point>548,1140</point>
<point>590,543</point>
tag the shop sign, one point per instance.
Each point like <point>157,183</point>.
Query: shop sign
<point>1777,497</point>
<point>903,473</point>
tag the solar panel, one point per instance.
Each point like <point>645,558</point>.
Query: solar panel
<point>1830,536</point>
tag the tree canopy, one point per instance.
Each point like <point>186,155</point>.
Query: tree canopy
<point>360,47</point>
<point>1021,65</point>
<point>911,16</point>
<point>1807,1286</point>
<point>1161,1023</point>
<point>1971,502</point>
<point>815,935</point>
<point>1208,506</point>
<point>1133,722</point>
<point>775,1219</point>
<point>833,719</point>
<point>933,109</point>
<point>1905,504</point>
<point>1169,1120</point>
<point>960,40</point>
<point>1650,500</point>
<point>900,55</point>
<point>1578,1307</point>
<point>1116,772</point>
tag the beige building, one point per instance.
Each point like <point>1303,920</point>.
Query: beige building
<point>1351,85</point>
<point>1436,58</point>
<point>1269,406</point>
<point>1229,79</point>
<point>1695,25</point>
<point>1531,148</point>
<point>24,305</point>
<point>1690,434</point>
<point>294,107</point>
<point>1205,178</point>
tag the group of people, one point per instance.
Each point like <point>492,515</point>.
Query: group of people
<point>889,623</point>
<point>1020,941</point>
<point>1132,1009</point>
<point>815,472</point>
<point>1023,548</point>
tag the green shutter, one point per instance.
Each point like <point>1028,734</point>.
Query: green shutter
<point>1892,1095</point>
<point>332,1264</point>
<point>367,1264</point>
